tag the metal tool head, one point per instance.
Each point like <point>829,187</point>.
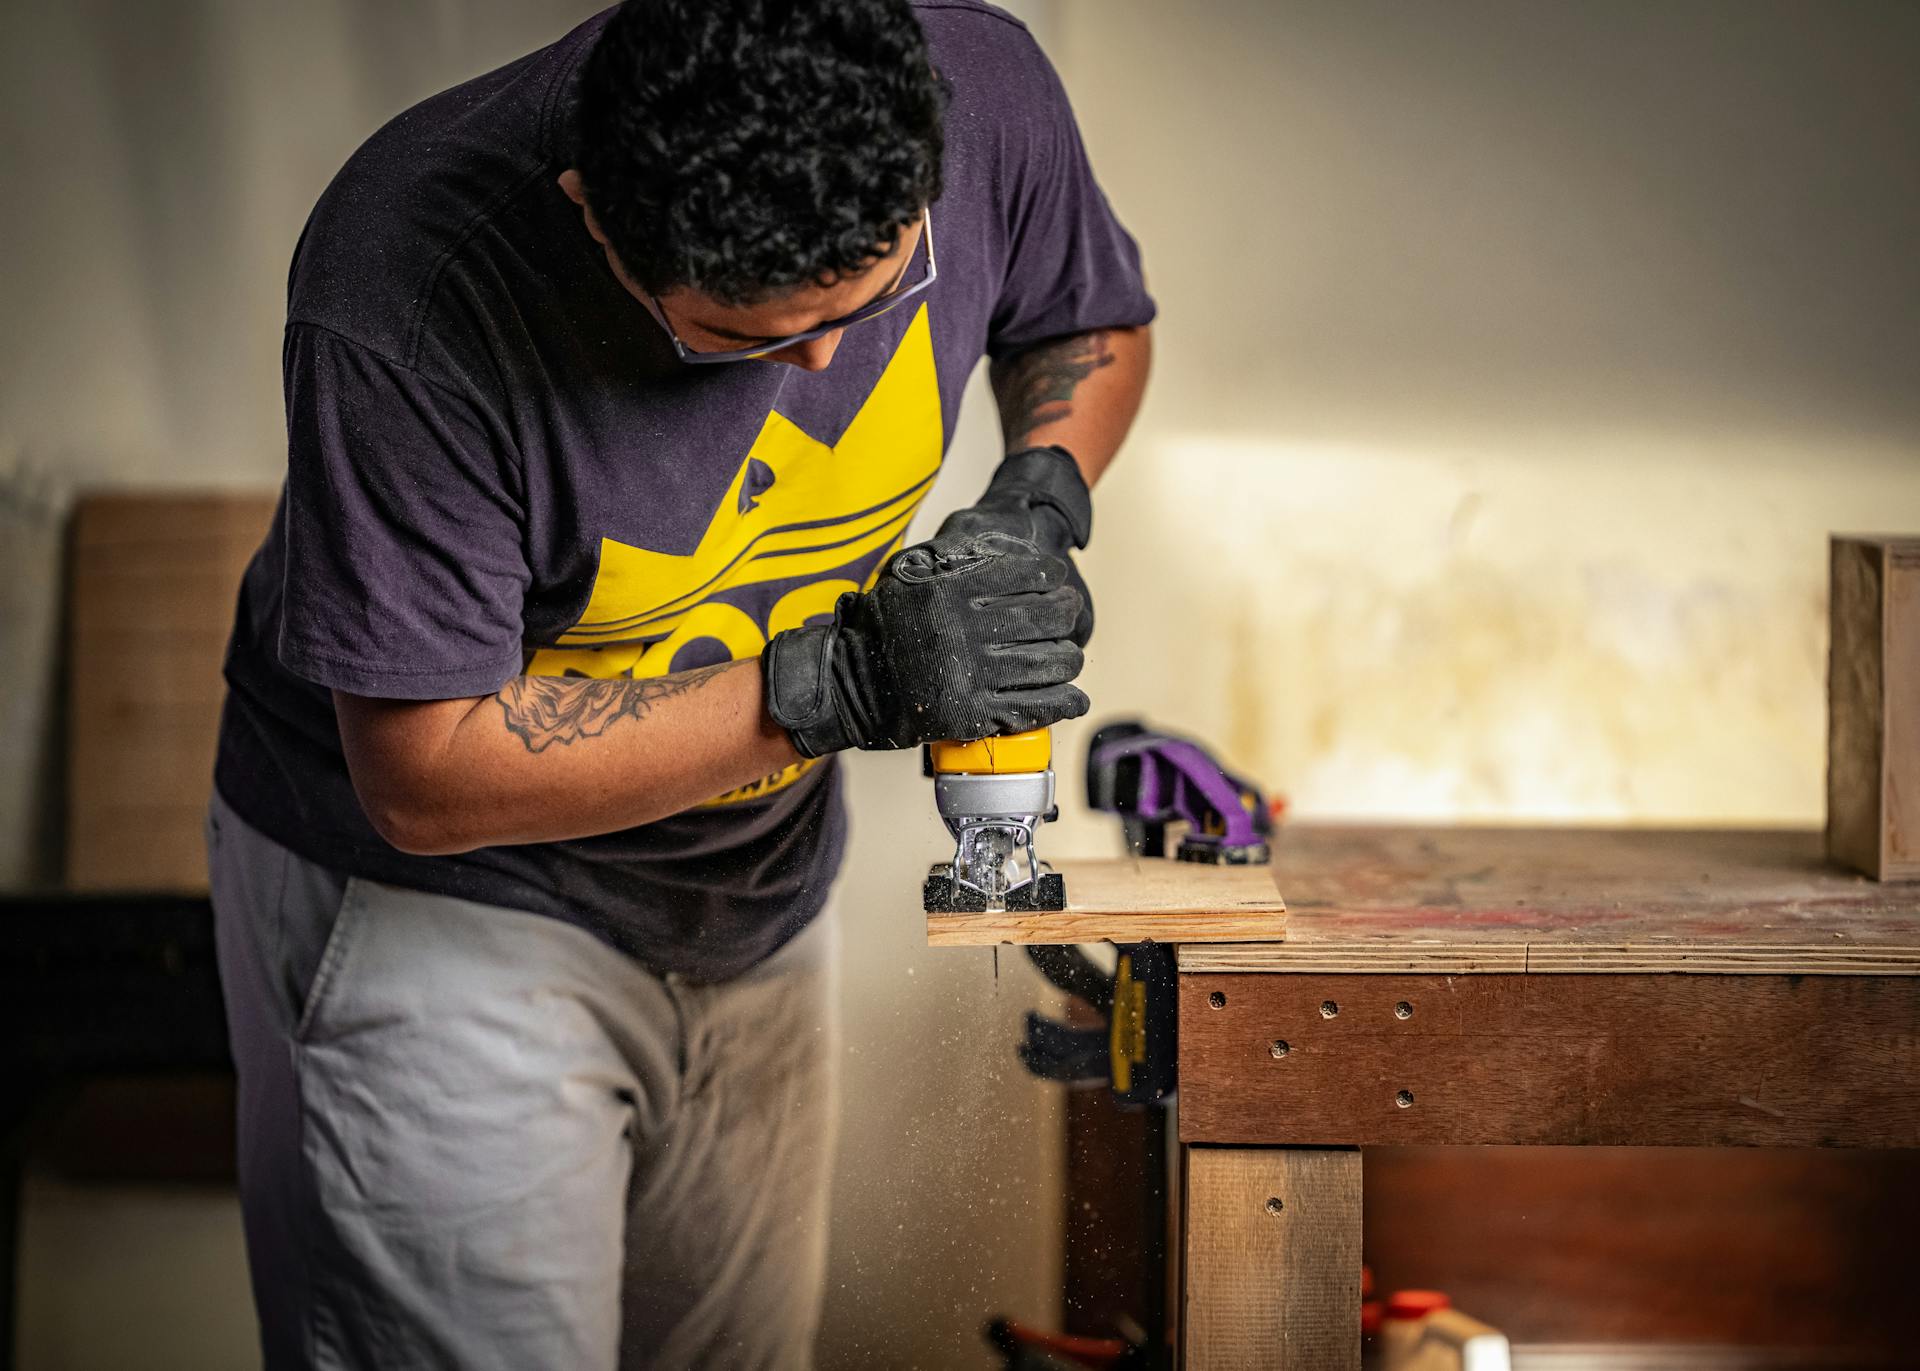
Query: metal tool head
<point>992,819</point>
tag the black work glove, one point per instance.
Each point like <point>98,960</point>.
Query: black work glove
<point>1037,494</point>
<point>963,639</point>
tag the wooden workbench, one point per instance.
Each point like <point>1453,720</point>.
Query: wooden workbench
<point>1482,986</point>
<point>1505,985</point>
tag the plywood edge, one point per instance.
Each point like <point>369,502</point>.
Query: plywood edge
<point>1070,926</point>
<point>1373,959</point>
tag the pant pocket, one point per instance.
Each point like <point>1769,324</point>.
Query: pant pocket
<point>325,960</point>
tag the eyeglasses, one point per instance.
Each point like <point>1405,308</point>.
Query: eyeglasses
<point>873,309</point>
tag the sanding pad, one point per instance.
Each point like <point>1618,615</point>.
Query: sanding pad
<point>941,895</point>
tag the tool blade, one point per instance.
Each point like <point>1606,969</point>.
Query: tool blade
<point>986,860</point>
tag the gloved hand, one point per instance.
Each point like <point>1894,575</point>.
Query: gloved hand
<point>958,639</point>
<point>1039,495</point>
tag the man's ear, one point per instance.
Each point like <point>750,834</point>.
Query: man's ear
<point>576,190</point>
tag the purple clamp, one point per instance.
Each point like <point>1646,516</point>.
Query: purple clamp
<point>1152,779</point>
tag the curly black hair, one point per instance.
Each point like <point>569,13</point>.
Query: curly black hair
<point>747,147</point>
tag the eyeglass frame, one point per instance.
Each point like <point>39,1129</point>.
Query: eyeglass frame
<point>873,309</point>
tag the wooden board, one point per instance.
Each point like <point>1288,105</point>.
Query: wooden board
<point>152,580</point>
<point>1379,899</point>
<point>1310,1059</point>
<point>1761,1247</point>
<point>1873,706</point>
<point>1133,900</point>
<point>1271,1264</point>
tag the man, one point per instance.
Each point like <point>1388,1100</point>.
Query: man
<point>613,379</point>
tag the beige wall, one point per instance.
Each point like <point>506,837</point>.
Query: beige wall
<point>1515,361</point>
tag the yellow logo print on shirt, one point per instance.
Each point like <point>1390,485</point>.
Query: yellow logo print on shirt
<point>795,508</point>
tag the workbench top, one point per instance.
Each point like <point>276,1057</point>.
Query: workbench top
<point>1381,898</point>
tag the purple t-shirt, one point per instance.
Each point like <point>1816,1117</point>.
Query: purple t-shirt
<point>496,466</point>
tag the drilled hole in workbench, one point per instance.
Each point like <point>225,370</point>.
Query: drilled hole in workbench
<point>1218,999</point>
<point>1328,1009</point>
<point>1278,1047</point>
<point>1403,1010</point>
<point>1404,1099</point>
<point>1274,1206</point>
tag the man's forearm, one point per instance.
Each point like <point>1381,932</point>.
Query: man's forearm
<point>1080,391</point>
<point>549,758</point>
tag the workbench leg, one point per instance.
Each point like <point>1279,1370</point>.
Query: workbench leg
<point>12,1179</point>
<point>1271,1259</point>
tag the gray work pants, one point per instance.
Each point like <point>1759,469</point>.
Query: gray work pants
<point>474,1137</point>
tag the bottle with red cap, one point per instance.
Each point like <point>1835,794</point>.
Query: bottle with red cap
<point>1400,1323</point>
<point>1420,1330</point>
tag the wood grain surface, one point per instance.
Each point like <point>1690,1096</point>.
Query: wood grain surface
<point>152,582</point>
<point>1309,1059</point>
<point>1379,899</point>
<point>1131,900</point>
<point>1900,818</point>
<point>1873,706</point>
<point>1785,1248</point>
<point>1271,1271</point>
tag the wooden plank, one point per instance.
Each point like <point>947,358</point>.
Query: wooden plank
<point>160,848</point>
<point>1772,1247</point>
<point>152,584</point>
<point>1855,700</point>
<point>1379,899</point>
<point>123,603</point>
<point>1132,900</point>
<point>1873,706</point>
<point>125,520</point>
<point>1374,958</point>
<point>136,760</point>
<point>1900,818</point>
<point>1271,1269</point>
<point>1595,1059</point>
<point>176,669</point>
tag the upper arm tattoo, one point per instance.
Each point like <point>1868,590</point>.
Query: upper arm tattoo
<point>1036,387</point>
<point>558,709</point>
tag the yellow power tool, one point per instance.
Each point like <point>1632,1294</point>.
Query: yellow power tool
<point>993,794</point>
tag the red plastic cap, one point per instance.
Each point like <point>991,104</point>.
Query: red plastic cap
<point>1416,1304</point>
<point>1370,1316</point>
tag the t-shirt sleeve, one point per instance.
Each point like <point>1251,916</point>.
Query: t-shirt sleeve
<point>405,564</point>
<point>1071,267</point>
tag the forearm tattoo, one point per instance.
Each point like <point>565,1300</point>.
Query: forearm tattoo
<point>558,709</point>
<point>1035,388</point>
